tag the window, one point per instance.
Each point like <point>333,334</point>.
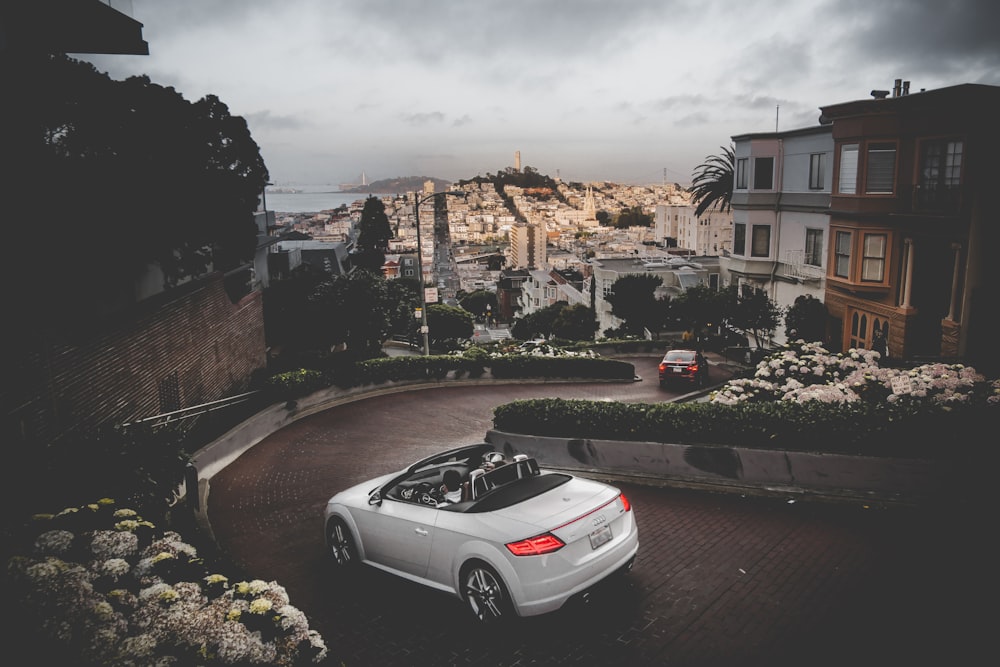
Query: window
<point>763,173</point>
<point>848,182</point>
<point>739,238</point>
<point>873,258</point>
<point>741,174</point>
<point>814,247</point>
<point>881,168</point>
<point>940,173</point>
<point>761,245</point>
<point>170,393</point>
<point>842,255</point>
<point>817,171</point>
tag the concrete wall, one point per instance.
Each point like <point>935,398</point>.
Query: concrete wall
<point>829,475</point>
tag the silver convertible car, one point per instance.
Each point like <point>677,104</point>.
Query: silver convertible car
<point>503,535</point>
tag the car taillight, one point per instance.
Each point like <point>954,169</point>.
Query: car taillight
<point>626,505</point>
<point>536,546</point>
<point>663,367</point>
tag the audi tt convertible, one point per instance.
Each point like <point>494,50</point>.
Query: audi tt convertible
<point>504,535</point>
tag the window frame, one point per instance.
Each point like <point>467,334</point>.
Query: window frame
<point>940,189</point>
<point>873,171</point>
<point>813,250</point>
<point>871,259</point>
<point>741,173</point>
<point>759,238</point>
<point>841,249</point>
<point>758,183</point>
<point>848,168</point>
<point>740,239</point>
<point>817,171</point>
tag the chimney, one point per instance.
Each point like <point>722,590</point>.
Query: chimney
<point>906,87</point>
<point>897,88</point>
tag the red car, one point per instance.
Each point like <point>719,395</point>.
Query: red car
<point>684,366</point>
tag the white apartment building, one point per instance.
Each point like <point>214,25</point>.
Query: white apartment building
<point>781,219</point>
<point>710,234</point>
<point>547,288</point>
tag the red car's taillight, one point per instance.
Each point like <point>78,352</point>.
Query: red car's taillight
<point>536,546</point>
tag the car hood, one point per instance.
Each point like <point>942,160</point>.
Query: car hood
<point>560,505</point>
<point>358,494</point>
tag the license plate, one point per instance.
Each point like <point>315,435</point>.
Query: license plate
<point>600,536</point>
<point>678,369</point>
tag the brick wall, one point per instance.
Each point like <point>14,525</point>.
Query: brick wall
<point>180,349</point>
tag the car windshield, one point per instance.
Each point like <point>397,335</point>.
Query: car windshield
<point>679,355</point>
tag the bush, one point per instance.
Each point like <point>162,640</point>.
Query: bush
<point>98,585</point>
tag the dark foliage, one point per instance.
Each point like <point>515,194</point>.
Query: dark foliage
<point>130,174</point>
<point>712,185</point>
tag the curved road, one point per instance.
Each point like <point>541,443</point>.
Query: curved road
<point>720,579</point>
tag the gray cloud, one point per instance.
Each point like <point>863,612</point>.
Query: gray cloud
<point>605,90</point>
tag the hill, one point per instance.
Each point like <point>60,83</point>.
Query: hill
<point>400,184</point>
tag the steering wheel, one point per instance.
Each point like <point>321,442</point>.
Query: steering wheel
<point>428,499</point>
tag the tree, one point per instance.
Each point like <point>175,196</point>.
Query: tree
<point>404,299</point>
<point>632,299</point>
<point>700,307</point>
<point>287,317</point>
<point>537,324</point>
<point>448,325</point>
<point>633,217</point>
<point>476,302</point>
<point>754,312</point>
<point>806,319</point>
<point>374,232</point>
<point>712,185</point>
<point>352,310</point>
<point>131,175</point>
<point>576,322</point>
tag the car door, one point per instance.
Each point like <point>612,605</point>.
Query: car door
<point>398,535</point>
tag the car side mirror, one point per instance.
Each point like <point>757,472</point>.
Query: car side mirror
<point>375,498</point>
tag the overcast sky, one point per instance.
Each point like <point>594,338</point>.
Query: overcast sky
<point>633,91</point>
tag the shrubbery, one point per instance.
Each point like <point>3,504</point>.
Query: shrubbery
<point>471,364</point>
<point>803,399</point>
<point>98,585</point>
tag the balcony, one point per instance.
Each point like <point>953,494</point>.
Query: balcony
<point>935,198</point>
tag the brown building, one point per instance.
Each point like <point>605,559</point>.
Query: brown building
<point>912,220</point>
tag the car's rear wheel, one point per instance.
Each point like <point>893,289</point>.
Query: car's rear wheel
<point>485,594</point>
<point>340,542</point>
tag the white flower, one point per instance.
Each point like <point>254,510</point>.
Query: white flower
<point>53,543</point>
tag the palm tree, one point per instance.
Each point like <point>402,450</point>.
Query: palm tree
<point>712,185</point>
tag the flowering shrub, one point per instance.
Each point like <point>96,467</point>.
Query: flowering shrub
<point>121,603</point>
<point>806,372</point>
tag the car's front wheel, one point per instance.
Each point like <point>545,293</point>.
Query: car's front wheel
<point>341,544</point>
<point>485,594</point>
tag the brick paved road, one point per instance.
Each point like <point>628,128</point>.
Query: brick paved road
<point>720,579</point>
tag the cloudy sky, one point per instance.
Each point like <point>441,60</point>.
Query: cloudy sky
<point>633,91</point>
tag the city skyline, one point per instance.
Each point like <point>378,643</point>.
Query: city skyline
<point>638,92</point>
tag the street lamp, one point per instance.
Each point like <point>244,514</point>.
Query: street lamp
<point>424,330</point>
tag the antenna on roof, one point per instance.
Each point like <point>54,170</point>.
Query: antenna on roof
<point>776,108</point>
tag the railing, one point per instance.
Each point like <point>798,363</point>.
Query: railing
<point>194,411</point>
<point>937,198</point>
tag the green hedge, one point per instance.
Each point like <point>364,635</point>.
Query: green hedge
<point>294,384</point>
<point>854,428</point>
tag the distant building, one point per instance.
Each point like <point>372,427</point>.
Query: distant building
<point>527,246</point>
